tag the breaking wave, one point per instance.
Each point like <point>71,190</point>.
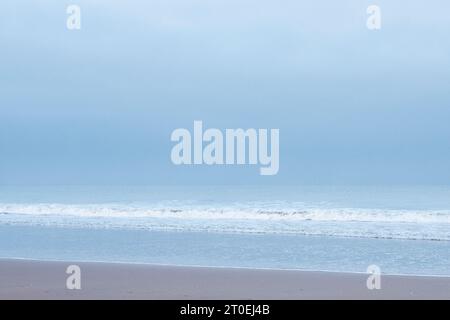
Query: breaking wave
<point>256,217</point>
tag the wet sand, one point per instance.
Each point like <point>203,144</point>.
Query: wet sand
<point>29,279</point>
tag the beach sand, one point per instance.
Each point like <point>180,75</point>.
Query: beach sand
<point>26,279</point>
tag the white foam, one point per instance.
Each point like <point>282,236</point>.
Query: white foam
<point>261,217</point>
<point>235,212</point>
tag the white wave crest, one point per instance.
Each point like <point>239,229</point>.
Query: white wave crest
<point>240,212</point>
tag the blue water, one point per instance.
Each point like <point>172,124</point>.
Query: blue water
<point>404,230</point>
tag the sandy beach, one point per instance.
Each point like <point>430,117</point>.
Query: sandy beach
<point>26,279</point>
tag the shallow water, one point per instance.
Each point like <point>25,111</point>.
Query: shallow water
<point>230,250</point>
<point>403,230</point>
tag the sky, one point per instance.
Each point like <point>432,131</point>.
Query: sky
<point>98,105</point>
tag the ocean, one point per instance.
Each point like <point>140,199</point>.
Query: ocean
<point>403,229</point>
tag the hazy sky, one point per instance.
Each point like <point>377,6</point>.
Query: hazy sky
<point>98,105</point>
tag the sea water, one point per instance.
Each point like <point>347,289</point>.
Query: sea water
<point>403,230</point>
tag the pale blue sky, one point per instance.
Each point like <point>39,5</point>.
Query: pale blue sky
<point>97,106</point>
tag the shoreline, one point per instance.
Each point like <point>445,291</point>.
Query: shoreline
<point>39,279</point>
<point>150,264</point>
